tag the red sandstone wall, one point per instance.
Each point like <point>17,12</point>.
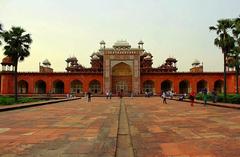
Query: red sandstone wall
<point>193,78</point>
<point>49,78</point>
<point>7,83</point>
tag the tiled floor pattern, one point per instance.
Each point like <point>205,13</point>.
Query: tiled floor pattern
<point>74,128</point>
<point>178,130</point>
<point>81,129</point>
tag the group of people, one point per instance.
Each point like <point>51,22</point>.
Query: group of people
<point>167,94</point>
<point>148,94</point>
<point>109,95</point>
<point>205,96</point>
<point>192,96</point>
<point>88,95</point>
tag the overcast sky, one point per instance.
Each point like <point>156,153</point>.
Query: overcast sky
<point>169,28</point>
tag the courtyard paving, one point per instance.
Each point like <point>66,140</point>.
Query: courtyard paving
<point>178,130</point>
<point>81,129</point>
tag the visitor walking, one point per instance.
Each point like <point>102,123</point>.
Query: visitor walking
<point>131,94</point>
<point>214,96</point>
<point>89,94</point>
<point>110,95</point>
<point>164,96</point>
<point>181,97</point>
<point>120,94</point>
<point>107,95</point>
<point>204,91</point>
<point>192,97</point>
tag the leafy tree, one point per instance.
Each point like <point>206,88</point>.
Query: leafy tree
<point>17,47</point>
<point>224,41</point>
<point>236,49</point>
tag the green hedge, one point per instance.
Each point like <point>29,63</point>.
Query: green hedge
<point>11,101</point>
<point>231,98</point>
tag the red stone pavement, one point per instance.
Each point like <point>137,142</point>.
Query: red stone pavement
<point>81,129</point>
<point>73,128</point>
<point>178,130</point>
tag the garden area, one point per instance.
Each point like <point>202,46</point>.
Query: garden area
<point>11,101</point>
<point>231,98</point>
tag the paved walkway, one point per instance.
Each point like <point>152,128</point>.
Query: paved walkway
<point>80,129</point>
<point>178,130</point>
<point>69,129</point>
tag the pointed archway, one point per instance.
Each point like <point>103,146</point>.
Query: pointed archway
<point>95,87</point>
<point>22,87</point>
<point>184,87</point>
<point>148,86</point>
<point>58,87</point>
<point>166,85</point>
<point>201,85</point>
<point>218,86</point>
<point>121,78</point>
<point>40,87</point>
<point>76,87</point>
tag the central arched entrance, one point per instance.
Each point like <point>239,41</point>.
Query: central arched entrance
<point>121,78</point>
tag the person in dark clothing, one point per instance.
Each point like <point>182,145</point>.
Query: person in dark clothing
<point>164,96</point>
<point>107,95</point>
<point>192,97</point>
<point>214,96</point>
<point>204,91</point>
<point>181,97</point>
<point>121,94</point>
<point>110,95</point>
<point>89,94</point>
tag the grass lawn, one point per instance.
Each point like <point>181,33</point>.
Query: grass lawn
<point>11,101</point>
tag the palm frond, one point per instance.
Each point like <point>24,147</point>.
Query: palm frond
<point>217,42</point>
<point>212,28</point>
<point>17,43</point>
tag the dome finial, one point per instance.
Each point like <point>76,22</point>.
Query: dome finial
<point>46,63</point>
<point>102,44</point>
<point>140,44</point>
<point>196,63</point>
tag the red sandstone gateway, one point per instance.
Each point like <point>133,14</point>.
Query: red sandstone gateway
<point>117,69</point>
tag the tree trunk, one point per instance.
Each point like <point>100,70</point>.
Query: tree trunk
<point>15,81</point>
<point>237,71</point>
<point>237,90</point>
<point>225,80</point>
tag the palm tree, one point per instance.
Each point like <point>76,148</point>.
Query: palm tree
<point>17,47</point>
<point>236,34</point>
<point>224,41</point>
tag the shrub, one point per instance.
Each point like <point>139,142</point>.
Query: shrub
<point>6,100</point>
<point>231,98</point>
<point>11,101</point>
<point>199,96</point>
